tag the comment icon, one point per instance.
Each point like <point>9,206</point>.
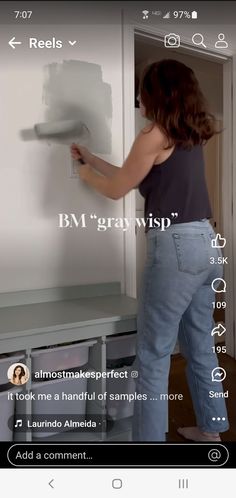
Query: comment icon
<point>218,285</point>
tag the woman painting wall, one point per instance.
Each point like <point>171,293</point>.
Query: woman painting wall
<point>166,164</point>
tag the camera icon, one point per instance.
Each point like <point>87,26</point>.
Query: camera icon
<point>172,40</point>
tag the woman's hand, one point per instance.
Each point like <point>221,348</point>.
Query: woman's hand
<point>84,171</point>
<point>80,152</point>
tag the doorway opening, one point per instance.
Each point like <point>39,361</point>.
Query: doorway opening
<point>210,72</point>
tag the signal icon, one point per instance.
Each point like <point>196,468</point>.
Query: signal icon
<point>167,16</point>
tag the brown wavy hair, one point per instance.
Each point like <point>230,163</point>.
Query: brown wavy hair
<point>172,97</point>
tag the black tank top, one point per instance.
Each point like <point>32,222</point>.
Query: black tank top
<point>177,185</point>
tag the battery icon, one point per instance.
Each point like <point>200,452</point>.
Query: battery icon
<point>194,14</point>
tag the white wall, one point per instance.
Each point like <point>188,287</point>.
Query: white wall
<point>34,175</point>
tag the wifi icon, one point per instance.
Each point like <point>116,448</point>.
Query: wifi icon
<point>145,14</point>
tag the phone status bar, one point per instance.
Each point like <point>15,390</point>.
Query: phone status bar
<point>104,12</point>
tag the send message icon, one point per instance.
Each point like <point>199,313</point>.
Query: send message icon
<point>218,374</point>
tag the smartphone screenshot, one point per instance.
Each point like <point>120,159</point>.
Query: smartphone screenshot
<point>117,252</point>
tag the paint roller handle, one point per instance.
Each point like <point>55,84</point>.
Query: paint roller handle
<point>80,153</point>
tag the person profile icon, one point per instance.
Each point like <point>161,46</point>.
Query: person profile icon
<point>221,42</point>
<point>18,374</point>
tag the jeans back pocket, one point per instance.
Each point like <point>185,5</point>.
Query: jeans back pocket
<point>192,252</point>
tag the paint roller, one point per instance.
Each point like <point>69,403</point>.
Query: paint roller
<point>60,130</point>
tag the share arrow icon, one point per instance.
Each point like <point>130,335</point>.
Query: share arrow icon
<point>219,330</point>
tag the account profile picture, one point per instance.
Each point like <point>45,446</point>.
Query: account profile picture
<point>18,374</point>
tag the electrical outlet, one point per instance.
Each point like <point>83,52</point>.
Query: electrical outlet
<point>74,169</point>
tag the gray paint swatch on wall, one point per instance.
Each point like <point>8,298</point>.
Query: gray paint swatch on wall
<point>75,89</point>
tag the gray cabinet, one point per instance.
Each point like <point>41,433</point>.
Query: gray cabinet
<point>81,333</point>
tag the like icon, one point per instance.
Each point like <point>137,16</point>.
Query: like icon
<point>219,242</point>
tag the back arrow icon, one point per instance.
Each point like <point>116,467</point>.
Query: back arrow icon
<point>50,484</point>
<point>12,42</point>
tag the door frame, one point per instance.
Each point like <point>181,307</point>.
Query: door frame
<point>228,204</point>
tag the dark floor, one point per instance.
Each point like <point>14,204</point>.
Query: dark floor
<point>181,412</point>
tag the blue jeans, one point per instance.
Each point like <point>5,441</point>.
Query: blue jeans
<point>176,302</point>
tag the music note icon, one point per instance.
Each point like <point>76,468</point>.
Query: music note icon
<point>18,423</point>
